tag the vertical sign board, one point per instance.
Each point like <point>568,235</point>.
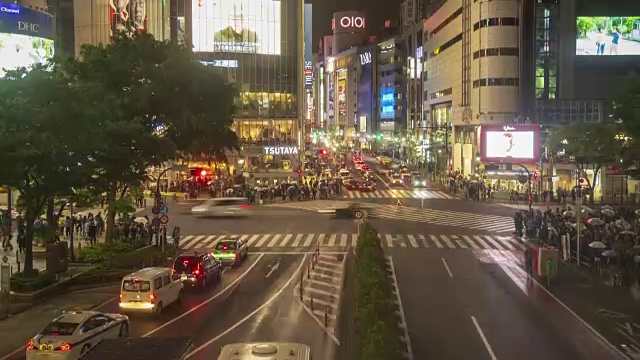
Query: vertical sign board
<point>5,279</point>
<point>308,46</point>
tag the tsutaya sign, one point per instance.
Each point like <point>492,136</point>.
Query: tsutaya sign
<point>280,150</point>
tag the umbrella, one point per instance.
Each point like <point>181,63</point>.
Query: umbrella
<point>622,224</point>
<point>609,253</point>
<point>607,207</point>
<point>141,220</point>
<point>568,213</point>
<point>595,222</point>
<point>637,212</point>
<point>582,226</point>
<point>608,212</point>
<point>627,232</point>
<point>597,245</point>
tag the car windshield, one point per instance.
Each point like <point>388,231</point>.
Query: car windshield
<point>226,245</point>
<point>59,329</point>
<point>186,264</point>
<point>396,176</point>
<point>136,285</point>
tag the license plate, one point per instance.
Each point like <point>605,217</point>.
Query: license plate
<point>183,277</point>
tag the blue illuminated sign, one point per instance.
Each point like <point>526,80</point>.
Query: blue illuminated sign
<point>15,19</point>
<point>387,102</point>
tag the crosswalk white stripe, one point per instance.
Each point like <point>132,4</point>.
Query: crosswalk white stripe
<point>403,244</point>
<point>447,241</point>
<point>514,242</point>
<point>252,240</point>
<point>436,241</point>
<point>483,244</point>
<point>263,240</point>
<point>423,240</point>
<point>274,240</point>
<point>195,240</point>
<point>390,242</point>
<point>351,194</point>
<point>286,239</point>
<point>495,243</point>
<point>504,242</point>
<point>208,241</point>
<point>470,242</point>
<point>309,240</point>
<point>460,243</point>
<point>244,238</point>
<point>343,239</point>
<point>296,242</point>
<point>332,240</point>
<point>186,240</point>
<point>320,239</point>
<point>412,241</point>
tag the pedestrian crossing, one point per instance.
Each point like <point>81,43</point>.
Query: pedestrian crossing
<point>484,222</point>
<point>399,194</point>
<point>311,241</point>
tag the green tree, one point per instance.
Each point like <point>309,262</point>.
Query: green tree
<point>627,111</point>
<point>42,156</point>
<point>589,145</point>
<point>164,105</point>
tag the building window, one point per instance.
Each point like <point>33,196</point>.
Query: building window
<point>442,93</point>
<point>445,46</point>
<point>504,51</point>
<point>498,21</point>
<point>447,21</point>
<point>496,82</point>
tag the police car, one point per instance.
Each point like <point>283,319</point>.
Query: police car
<point>73,333</point>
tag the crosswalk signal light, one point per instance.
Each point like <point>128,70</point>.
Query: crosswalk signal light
<point>535,176</point>
<point>299,171</point>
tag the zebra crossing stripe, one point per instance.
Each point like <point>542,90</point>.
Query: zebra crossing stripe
<point>494,243</point>
<point>192,242</point>
<point>286,240</point>
<point>309,240</point>
<point>244,238</point>
<point>252,240</point>
<point>274,241</point>
<point>412,241</point>
<point>332,240</point>
<point>447,241</point>
<point>459,242</point>
<point>263,240</point>
<point>343,239</point>
<point>483,244</point>
<point>470,242</point>
<point>402,243</point>
<point>436,241</point>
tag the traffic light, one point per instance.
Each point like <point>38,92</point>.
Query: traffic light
<point>299,171</point>
<point>535,176</point>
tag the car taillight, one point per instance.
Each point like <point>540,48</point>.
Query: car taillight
<point>65,347</point>
<point>30,345</point>
<point>152,297</point>
<point>120,296</point>
<point>234,255</point>
<point>245,206</point>
<point>196,272</point>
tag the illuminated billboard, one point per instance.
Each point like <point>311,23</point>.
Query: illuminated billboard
<point>129,16</point>
<point>236,26</point>
<point>510,143</point>
<point>342,92</point>
<point>26,37</point>
<point>387,103</point>
<point>608,35</point>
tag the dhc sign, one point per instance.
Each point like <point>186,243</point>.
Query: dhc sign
<point>280,150</point>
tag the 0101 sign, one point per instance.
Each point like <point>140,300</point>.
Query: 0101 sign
<point>352,22</point>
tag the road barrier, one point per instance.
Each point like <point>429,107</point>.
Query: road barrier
<point>311,302</point>
<point>326,316</point>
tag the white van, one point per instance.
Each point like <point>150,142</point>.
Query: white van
<point>344,174</point>
<point>265,350</point>
<point>150,290</point>
<point>233,206</point>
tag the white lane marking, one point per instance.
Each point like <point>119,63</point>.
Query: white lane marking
<point>401,241</point>
<point>446,266</point>
<point>191,242</point>
<point>402,317</point>
<point>447,241</point>
<point>296,242</point>
<point>215,296</point>
<point>309,240</point>
<point>468,240</point>
<point>263,240</point>
<point>252,240</point>
<point>343,239</point>
<point>249,316</point>
<point>484,339</point>
<point>424,241</point>
<point>332,240</point>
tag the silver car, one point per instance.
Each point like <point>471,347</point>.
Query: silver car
<point>223,207</point>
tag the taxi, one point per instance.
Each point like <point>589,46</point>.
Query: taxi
<point>73,333</point>
<point>230,251</point>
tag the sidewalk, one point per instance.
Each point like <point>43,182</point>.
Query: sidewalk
<point>613,312</point>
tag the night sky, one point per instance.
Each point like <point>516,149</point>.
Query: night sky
<point>377,11</point>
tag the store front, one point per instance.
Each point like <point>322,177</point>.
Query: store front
<point>271,164</point>
<point>262,131</point>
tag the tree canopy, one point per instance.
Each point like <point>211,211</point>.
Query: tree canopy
<point>627,111</point>
<point>100,121</point>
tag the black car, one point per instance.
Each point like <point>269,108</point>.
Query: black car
<point>367,186</point>
<point>197,269</point>
<point>353,211</point>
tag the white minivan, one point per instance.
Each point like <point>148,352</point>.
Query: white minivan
<point>150,290</point>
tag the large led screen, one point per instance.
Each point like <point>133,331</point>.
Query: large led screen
<point>518,143</point>
<point>23,51</point>
<point>608,35</point>
<point>237,26</point>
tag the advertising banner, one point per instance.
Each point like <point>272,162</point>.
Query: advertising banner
<point>510,143</point>
<point>237,26</point>
<point>331,97</point>
<point>129,16</point>
<point>308,46</point>
<point>26,37</point>
<point>342,92</point>
<point>608,35</point>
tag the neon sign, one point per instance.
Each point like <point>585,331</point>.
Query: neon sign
<point>352,21</point>
<point>365,58</point>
